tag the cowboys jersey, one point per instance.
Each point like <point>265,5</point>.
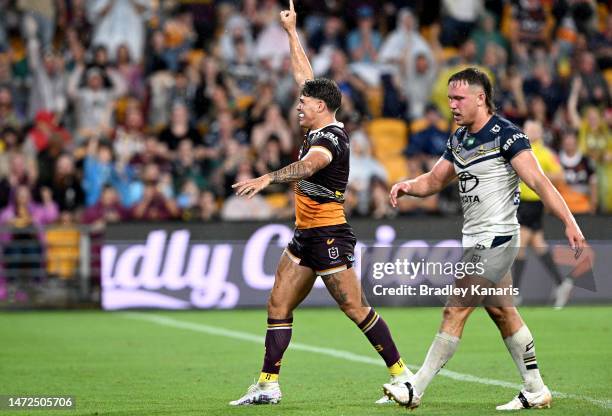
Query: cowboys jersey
<point>488,185</point>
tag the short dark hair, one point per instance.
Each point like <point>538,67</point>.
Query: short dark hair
<point>325,90</point>
<point>474,76</point>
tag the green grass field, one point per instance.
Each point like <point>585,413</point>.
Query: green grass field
<point>193,363</point>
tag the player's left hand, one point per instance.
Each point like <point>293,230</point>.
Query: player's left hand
<point>576,240</point>
<point>251,187</point>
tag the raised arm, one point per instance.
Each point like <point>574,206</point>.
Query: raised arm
<point>527,167</point>
<point>426,184</point>
<point>302,70</point>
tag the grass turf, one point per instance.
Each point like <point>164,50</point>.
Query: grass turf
<point>115,365</point>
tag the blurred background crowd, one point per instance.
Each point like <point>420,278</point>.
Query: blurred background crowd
<point>115,110</point>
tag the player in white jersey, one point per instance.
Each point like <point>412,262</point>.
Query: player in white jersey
<point>488,155</point>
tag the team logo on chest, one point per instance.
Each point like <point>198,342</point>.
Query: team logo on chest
<point>467,182</point>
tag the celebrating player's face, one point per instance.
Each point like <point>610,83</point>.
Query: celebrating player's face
<point>465,101</point>
<point>307,109</point>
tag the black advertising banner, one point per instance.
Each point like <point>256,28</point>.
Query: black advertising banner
<point>228,265</point>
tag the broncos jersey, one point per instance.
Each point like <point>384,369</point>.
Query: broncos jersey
<point>488,184</point>
<point>319,199</point>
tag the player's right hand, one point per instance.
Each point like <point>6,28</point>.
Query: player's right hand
<point>288,18</point>
<point>399,189</point>
<point>576,240</point>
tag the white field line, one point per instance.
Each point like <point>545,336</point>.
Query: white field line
<point>341,354</point>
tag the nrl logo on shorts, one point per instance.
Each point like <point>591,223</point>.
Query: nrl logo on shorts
<point>333,253</point>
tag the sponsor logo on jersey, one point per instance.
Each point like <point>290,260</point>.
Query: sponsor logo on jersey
<point>330,241</point>
<point>328,135</point>
<point>467,182</point>
<point>470,198</point>
<point>512,139</point>
<point>496,129</point>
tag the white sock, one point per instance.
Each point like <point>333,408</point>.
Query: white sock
<point>442,349</point>
<point>522,349</point>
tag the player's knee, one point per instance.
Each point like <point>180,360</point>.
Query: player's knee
<point>455,313</point>
<point>355,312</point>
<point>278,309</point>
<point>500,314</point>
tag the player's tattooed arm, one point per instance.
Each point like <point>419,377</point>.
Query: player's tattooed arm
<point>292,173</point>
<point>313,162</point>
<point>302,169</point>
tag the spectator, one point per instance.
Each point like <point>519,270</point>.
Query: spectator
<point>380,207</point>
<point>208,208</point>
<point>404,38</point>
<point>364,42</point>
<point>487,33</point>
<point>48,90</point>
<point>594,87</point>
<point>154,205</point>
<point>364,168</point>
<point>107,210</point>
<point>98,170</point>
<point>130,137</point>
<point>8,115</point>
<point>530,25</point>
<point>237,208</point>
<point>65,187</point>
<point>270,159</point>
<point>24,219</point>
<point>152,152</point>
<point>272,43</point>
<point>45,130</point>
<point>186,169</point>
<point>188,197</point>
<point>581,192</point>
<point>179,129</point>
<point>119,22</point>
<point>350,84</point>
<point>242,70</point>
<point>458,20</point>
<point>130,72</point>
<point>274,125</point>
<point>418,75</point>
<point>21,171</point>
<point>42,13</point>
<point>330,36</point>
<point>593,133</point>
<point>93,102</point>
<point>236,27</point>
<point>428,143</point>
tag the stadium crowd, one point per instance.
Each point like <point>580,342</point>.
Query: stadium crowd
<point>150,110</point>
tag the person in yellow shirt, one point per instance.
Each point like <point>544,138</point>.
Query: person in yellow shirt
<point>531,211</point>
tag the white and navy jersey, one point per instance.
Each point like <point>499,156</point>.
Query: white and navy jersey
<point>488,185</point>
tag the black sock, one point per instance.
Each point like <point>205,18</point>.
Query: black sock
<point>517,271</point>
<point>548,261</point>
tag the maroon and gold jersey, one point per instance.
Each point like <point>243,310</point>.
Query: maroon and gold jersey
<point>319,199</point>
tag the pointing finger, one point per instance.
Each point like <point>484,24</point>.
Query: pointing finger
<point>291,8</point>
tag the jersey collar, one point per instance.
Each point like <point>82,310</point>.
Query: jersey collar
<point>334,123</point>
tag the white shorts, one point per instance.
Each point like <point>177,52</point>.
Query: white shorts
<point>492,254</point>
